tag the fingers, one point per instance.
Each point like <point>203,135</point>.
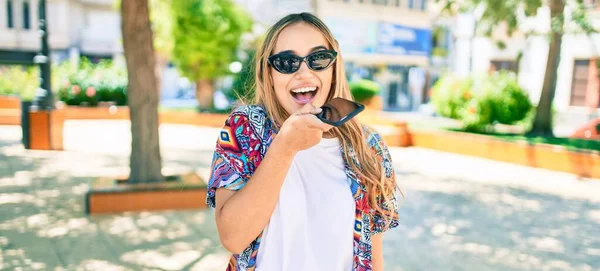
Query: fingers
<point>315,123</point>
<point>308,109</point>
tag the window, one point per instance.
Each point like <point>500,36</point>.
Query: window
<point>9,14</point>
<point>411,4</point>
<point>580,82</point>
<point>423,5</point>
<point>380,2</point>
<point>590,4</point>
<point>508,65</point>
<point>26,18</point>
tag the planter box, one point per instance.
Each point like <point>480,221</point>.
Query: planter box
<point>394,133</point>
<point>45,130</point>
<point>583,164</point>
<point>122,113</point>
<point>10,110</point>
<point>114,195</point>
<point>375,103</point>
<point>193,118</point>
<point>91,113</point>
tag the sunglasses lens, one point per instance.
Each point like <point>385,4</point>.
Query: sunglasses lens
<point>286,63</point>
<point>320,60</point>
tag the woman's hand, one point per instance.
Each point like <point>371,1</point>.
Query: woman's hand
<point>302,129</point>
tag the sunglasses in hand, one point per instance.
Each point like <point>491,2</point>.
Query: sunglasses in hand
<point>287,63</point>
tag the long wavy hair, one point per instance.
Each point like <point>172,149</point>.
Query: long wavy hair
<point>351,133</point>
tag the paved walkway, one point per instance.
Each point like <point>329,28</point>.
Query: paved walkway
<point>460,213</point>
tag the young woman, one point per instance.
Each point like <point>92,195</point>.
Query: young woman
<point>290,192</point>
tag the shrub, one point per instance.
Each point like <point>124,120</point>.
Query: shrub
<point>450,95</point>
<point>19,81</point>
<point>480,102</point>
<point>88,83</point>
<point>363,89</point>
<point>512,102</point>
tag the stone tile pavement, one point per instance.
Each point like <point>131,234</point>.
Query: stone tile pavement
<point>460,213</point>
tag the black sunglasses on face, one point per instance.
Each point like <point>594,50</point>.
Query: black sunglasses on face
<point>287,63</point>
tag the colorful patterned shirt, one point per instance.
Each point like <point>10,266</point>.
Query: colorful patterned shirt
<point>242,144</point>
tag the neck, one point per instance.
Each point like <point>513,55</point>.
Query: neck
<point>328,134</point>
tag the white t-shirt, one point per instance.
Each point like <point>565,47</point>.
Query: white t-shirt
<point>311,227</point>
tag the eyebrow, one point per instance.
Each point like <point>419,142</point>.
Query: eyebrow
<point>311,50</point>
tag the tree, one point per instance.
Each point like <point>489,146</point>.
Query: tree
<point>142,88</point>
<point>207,34</point>
<point>510,13</point>
<point>161,23</point>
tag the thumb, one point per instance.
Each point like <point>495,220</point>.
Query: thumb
<point>316,123</point>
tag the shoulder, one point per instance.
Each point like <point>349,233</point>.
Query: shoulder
<point>249,120</point>
<point>374,139</point>
<point>247,115</point>
<point>255,113</point>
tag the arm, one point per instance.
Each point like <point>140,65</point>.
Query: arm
<point>257,200</point>
<point>377,256</point>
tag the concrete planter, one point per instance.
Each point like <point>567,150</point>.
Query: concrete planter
<point>581,163</point>
<point>10,110</point>
<point>114,195</point>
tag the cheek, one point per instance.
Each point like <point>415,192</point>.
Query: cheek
<point>280,83</point>
<point>326,80</point>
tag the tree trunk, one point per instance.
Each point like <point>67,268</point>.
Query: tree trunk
<point>542,124</point>
<point>204,93</point>
<point>142,90</point>
<point>161,62</point>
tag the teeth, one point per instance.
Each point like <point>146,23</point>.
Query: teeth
<point>304,89</point>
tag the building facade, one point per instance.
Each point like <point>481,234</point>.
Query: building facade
<point>76,28</point>
<point>389,41</point>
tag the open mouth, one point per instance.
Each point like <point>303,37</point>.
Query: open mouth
<point>305,94</point>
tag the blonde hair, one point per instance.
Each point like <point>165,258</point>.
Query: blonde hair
<point>379,190</point>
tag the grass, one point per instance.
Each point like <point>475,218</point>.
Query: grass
<point>163,108</point>
<point>572,144</point>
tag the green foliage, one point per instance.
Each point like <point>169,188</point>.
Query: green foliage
<point>89,84</point>
<point>19,81</point>
<point>482,101</point>
<point>511,102</point>
<point>363,89</point>
<point>206,35</point>
<point>439,51</point>
<point>162,27</point>
<point>243,84</point>
<point>450,94</point>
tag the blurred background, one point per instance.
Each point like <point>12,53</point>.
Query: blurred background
<point>491,110</point>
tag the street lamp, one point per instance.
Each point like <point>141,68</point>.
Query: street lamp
<point>44,99</point>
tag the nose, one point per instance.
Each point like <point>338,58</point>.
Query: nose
<point>303,71</point>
